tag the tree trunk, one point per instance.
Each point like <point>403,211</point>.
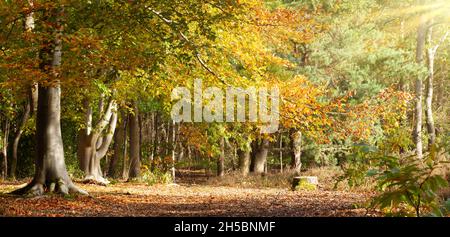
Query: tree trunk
<point>93,144</point>
<point>441,88</point>
<point>152,138</point>
<point>29,106</point>
<point>140,133</point>
<point>260,157</point>
<point>244,161</point>
<point>440,100</point>
<point>296,146</point>
<point>156,138</point>
<point>431,53</point>
<point>50,169</point>
<point>17,136</point>
<point>221,160</point>
<point>173,146</point>
<point>125,149</point>
<point>168,138</point>
<point>135,164</point>
<point>421,38</point>
<point>189,156</point>
<point>233,157</point>
<point>429,98</point>
<point>4,152</point>
<point>119,138</point>
<point>84,150</point>
<point>281,152</point>
<point>181,151</point>
<point>51,172</point>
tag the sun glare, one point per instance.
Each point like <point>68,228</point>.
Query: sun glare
<point>438,10</point>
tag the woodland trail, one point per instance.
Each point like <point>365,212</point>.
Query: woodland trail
<point>187,198</point>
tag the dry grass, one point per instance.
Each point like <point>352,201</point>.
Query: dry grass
<point>328,177</point>
<point>327,180</point>
<point>236,179</point>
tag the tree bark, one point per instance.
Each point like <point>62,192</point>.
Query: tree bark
<point>260,156</point>
<point>125,149</point>
<point>173,146</point>
<point>429,97</point>
<point>296,146</point>
<point>84,150</point>
<point>155,151</point>
<point>189,156</point>
<point>221,160</point>
<point>140,133</point>
<point>4,152</point>
<point>421,38</point>
<point>431,53</point>
<point>152,137</point>
<point>168,138</point>
<point>119,137</point>
<point>281,152</point>
<point>135,165</point>
<point>17,136</point>
<point>441,99</point>
<point>233,150</point>
<point>244,161</point>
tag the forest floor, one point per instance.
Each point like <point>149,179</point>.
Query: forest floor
<point>192,196</point>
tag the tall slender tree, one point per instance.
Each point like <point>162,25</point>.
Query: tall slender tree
<point>420,50</point>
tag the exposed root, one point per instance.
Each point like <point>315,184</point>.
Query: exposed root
<point>76,190</point>
<point>31,189</point>
<point>62,188</point>
<point>37,189</point>
<point>96,180</point>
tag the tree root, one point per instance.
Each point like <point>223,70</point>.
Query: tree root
<point>31,189</point>
<point>98,181</point>
<point>75,189</point>
<point>37,189</point>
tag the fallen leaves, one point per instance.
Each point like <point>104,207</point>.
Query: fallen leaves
<point>134,199</point>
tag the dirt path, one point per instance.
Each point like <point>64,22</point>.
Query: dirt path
<point>132,199</point>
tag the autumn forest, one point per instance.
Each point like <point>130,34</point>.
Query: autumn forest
<point>243,108</point>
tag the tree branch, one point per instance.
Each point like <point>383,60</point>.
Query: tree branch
<point>101,152</point>
<point>105,118</point>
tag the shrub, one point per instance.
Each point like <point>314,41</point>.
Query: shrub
<point>156,176</point>
<point>74,171</point>
<point>356,166</point>
<point>409,185</point>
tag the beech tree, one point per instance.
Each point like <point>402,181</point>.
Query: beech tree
<point>94,141</point>
<point>51,173</point>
